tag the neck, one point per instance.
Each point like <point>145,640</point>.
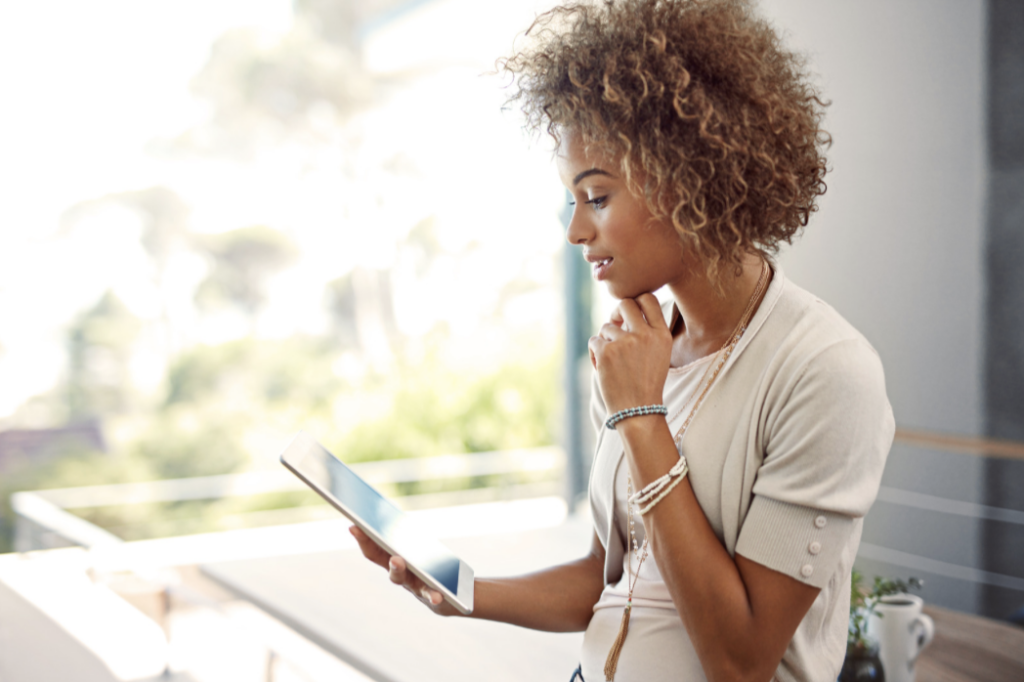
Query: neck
<point>709,314</point>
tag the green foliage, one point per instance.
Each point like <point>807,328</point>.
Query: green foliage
<point>248,375</point>
<point>293,92</point>
<point>439,411</point>
<point>164,450</point>
<point>217,397</point>
<point>170,450</point>
<point>864,600</point>
<point>99,351</point>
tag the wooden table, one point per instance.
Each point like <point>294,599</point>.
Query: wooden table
<point>971,649</point>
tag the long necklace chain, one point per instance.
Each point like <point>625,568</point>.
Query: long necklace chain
<point>632,550</point>
<point>724,352</point>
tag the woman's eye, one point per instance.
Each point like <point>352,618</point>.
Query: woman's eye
<point>598,202</point>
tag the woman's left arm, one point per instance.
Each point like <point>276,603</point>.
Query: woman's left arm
<point>740,613</point>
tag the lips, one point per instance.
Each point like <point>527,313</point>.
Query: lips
<point>600,264</point>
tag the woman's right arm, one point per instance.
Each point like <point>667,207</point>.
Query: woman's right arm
<point>557,599</point>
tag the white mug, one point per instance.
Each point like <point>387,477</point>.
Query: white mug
<point>902,633</point>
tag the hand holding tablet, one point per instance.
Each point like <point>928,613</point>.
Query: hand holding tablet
<point>399,574</point>
<point>386,535</point>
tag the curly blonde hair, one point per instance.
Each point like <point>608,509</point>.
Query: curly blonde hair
<point>712,120</point>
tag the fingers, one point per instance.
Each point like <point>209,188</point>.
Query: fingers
<point>627,318</point>
<point>612,332</point>
<point>643,311</point>
<point>399,574</point>
<point>596,345</point>
<point>397,569</point>
<point>370,549</point>
<point>632,317</point>
<point>651,308</point>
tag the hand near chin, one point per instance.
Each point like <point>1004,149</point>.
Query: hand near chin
<point>631,354</point>
<point>399,574</point>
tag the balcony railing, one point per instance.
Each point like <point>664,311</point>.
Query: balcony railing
<point>44,521</point>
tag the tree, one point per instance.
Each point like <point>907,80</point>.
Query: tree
<point>164,219</point>
<point>298,89</point>
<point>100,345</point>
<point>340,301</point>
<point>242,261</point>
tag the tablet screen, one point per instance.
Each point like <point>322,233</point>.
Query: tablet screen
<point>399,530</point>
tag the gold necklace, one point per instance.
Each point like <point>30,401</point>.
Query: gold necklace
<point>632,550</point>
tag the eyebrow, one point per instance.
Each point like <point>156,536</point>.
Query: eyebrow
<point>588,173</point>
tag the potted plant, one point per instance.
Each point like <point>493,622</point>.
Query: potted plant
<point>862,663</point>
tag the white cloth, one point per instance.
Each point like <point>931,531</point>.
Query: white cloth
<point>786,456</point>
<point>650,590</point>
<point>654,619</point>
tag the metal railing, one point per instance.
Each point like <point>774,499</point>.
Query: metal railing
<point>44,522</point>
<point>961,520</point>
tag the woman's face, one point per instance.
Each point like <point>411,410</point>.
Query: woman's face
<point>628,251</point>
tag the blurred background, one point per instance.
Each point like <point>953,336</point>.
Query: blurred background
<point>225,222</point>
<point>229,220</point>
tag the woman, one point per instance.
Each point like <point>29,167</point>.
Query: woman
<point>743,427</point>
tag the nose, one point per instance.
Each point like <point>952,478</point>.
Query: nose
<point>578,232</point>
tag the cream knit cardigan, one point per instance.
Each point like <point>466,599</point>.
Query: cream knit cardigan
<point>801,422</point>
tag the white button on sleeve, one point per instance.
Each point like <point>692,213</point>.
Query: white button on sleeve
<point>807,570</point>
<point>820,521</point>
<point>814,547</point>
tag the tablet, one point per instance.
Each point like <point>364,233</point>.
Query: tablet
<point>395,531</point>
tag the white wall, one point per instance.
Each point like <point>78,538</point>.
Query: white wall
<point>898,244</point>
<point>33,647</point>
<point>56,625</point>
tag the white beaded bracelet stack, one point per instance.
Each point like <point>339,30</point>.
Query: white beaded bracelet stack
<point>634,412</point>
<point>655,492</point>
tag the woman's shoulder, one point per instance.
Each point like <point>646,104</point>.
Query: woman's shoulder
<point>805,326</point>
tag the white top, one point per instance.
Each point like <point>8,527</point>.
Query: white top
<point>786,455</point>
<point>680,387</point>
<point>654,618</point>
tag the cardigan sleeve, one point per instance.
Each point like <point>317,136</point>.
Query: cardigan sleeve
<point>826,445</point>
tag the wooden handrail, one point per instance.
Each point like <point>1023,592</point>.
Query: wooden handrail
<point>967,445</point>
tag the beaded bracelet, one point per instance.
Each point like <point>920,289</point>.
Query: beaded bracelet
<point>634,412</point>
<point>655,492</point>
<point>678,469</point>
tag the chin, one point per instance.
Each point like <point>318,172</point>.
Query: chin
<point>622,293</point>
<point>624,290</point>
